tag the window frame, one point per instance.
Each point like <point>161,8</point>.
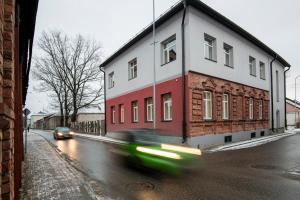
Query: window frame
<point>252,66</point>
<point>166,49</point>
<point>135,112</point>
<point>111,80</point>
<point>132,69</point>
<point>262,66</point>
<point>225,104</point>
<point>113,114</point>
<point>149,106</point>
<point>213,46</point>
<point>229,54</point>
<point>205,105</point>
<point>251,108</point>
<point>167,103</point>
<point>260,109</point>
<point>122,113</point>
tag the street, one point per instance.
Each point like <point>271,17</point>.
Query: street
<point>269,171</point>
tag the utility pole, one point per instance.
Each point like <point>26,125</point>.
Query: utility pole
<point>295,106</point>
<point>154,70</point>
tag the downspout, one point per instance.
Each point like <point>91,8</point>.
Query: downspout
<point>105,121</point>
<point>272,96</point>
<point>285,121</point>
<point>184,134</point>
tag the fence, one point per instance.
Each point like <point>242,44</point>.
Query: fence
<point>91,127</point>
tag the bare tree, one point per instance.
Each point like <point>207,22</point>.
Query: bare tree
<point>74,66</point>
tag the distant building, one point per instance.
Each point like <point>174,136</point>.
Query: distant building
<point>216,88</point>
<point>90,113</point>
<point>292,111</point>
<point>36,117</point>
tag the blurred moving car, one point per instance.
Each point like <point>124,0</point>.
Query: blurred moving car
<point>62,133</point>
<point>145,147</point>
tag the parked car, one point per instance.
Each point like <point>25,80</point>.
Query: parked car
<point>146,148</point>
<point>62,133</point>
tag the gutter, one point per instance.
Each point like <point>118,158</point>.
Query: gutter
<point>272,94</point>
<point>184,132</point>
<point>285,120</point>
<point>105,121</point>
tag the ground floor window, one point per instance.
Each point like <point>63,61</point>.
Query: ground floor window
<point>149,109</point>
<point>251,108</point>
<point>207,102</point>
<point>225,106</point>
<point>122,117</point>
<point>113,114</point>
<point>135,116</point>
<point>167,107</point>
<point>260,109</point>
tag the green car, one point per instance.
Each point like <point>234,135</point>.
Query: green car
<point>145,148</point>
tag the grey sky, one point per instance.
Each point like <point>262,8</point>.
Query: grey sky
<point>112,23</point>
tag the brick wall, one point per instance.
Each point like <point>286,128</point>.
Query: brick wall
<point>8,70</point>
<point>239,96</point>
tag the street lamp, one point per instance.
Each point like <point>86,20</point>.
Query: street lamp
<point>295,99</point>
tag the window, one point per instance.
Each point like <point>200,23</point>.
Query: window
<point>207,102</point>
<point>228,53</point>
<point>167,104</point>
<point>277,86</point>
<point>113,115</point>
<point>135,111</point>
<point>262,70</point>
<point>252,66</point>
<point>210,50</point>
<point>122,113</point>
<point>132,69</point>
<point>149,109</point>
<point>225,106</point>
<point>111,81</point>
<point>169,50</point>
<point>251,108</point>
<point>260,109</point>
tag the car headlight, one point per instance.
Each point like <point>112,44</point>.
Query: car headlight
<point>72,133</point>
<point>60,134</point>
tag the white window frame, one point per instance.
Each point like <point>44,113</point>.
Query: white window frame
<point>167,105</point>
<point>208,107</point>
<point>167,46</point>
<point>135,112</point>
<point>260,109</point>
<point>122,114</point>
<point>225,106</point>
<point>132,69</point>
<point>252,66</point>
<point>210,47</point>
<point>250,108</point>
<point>149,109</point>
<point>113,114</point>
<point>111,80</point>
<point>262,70</point>
<point>228,55</point>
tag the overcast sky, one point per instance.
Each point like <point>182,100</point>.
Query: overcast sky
<point>114,22</point>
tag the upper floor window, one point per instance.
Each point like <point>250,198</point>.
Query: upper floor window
<point>111,81</point>
<point>260,109</point>
<point>251,108</point>
<point>113,115</point>
<point>135,111</point>
<point>169,50</point>
<point>132,69</point>
<point>210,47</point>
<point>262,70</point>
<point>122,113</point>
<point>228,53</point>
<point>207,102</point>
<point>149,109</point>
<point>167,103</point>
<point>252,66</point>
<point>225,106</point>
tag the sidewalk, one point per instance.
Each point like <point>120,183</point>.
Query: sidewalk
<point>46,175</point>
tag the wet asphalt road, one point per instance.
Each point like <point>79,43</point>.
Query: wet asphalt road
<point>253,173</point>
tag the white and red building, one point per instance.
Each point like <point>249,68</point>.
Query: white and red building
<point>214,80</point>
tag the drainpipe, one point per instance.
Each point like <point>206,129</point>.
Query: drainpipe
<point>285,121</point>
<point>272,98</point>
<point>184,134</point>
<point>105,121</point>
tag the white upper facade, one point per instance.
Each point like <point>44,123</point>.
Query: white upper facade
<point>197,26</point>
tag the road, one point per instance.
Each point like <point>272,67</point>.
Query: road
<point>260,172</point>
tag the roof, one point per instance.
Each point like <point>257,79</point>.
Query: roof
<point>206,10</point>
<point>40,114</point>
<point>292,102</point>
<point>92,109</point>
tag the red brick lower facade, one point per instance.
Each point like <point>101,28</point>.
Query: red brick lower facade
<point>196,84</point>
